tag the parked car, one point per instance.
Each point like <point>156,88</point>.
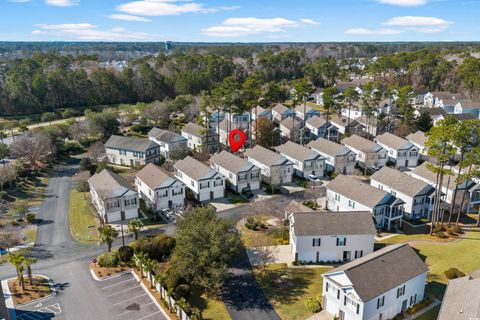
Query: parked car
<point>168,214</point>
<point>313,178</point>
<point>247,193</point>
<point>3,251</point>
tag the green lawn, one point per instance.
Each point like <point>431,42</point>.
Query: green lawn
<point>288,288</point>
<point>81,215</point>
<point>430,314</point>
<point>211,309</point>
<point>235,198</point>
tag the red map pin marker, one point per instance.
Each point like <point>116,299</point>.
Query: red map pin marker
<point>236,138</point>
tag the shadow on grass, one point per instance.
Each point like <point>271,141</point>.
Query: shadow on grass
<point>437,289</point>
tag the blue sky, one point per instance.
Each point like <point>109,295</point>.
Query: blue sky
<point>240,21</point>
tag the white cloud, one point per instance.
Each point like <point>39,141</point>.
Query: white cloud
<point>404,3</point>
<point>89,32</point>
<point>62,3</point>
<point>168,7</point>
<point>127,17</point>
<point>416,21</point>
<point>369,32</point>
<point>238,27</point>
<point>310,21</point>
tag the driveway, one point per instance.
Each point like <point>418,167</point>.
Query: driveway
<point>276,254</point>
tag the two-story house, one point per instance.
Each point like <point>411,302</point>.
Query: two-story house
<point>223,130</point>
<point>305,112</point>
<point>112,197</point>
<point>204,182</point>
<point>291,128</point>
<point>418,139</point>
<point>128,151</point>
<point>369,154</point>
<point>305,161</point>
<point>158,189</point>
<point>281,112</point>
<point>331,236</point>
<point>197,137</point>
<point>380,285</point>
<point>167,141</point>
<point>417,195</point>
<point>259,112</point>
<point>275,168</point>
<point>337,157</point>
<point>401,152</point>
<point>343,124</point>
<point>240,174</point>
<point>318,127</point>
<point>346,193</point>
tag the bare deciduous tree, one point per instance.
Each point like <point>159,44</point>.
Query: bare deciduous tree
<point>96,151</point>
<point>157,112</point>
<point>263,251</point>
<point>7,175</point>
<point>81,179</point>
<point>78,130</point>
<point>32,149</point>
<point>10,239</point>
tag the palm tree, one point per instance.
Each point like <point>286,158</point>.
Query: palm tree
<point>161,278</point>
<point>150,265</point>
<point>134,227</point>
<point>107,235</point>
<point>139,260</point>
<point>18,262</point>
<point>28,261</point>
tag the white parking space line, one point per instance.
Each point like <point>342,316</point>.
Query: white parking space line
<point>115,304</point>
<point>116,284</point>
<point>139,309</point>
<point>151,314</point>
<point>126,290</point>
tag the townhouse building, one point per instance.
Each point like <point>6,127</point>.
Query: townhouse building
<point>401,152</point>
<point>129,151</point>
<point>369,154</point>
<point>337,157</point>
<point>305,161</point>
<point>281,112</point>
<point>275,168</point>
<point>167,141</point>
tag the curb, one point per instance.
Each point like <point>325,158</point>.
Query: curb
<point>150,295</point>
<point>50,284</point>
<point>96,278</point>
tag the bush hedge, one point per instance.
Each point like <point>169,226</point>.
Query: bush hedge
<point>182,291</point>
<point>31,217</point>
<point>125,253</point>
<point>158,248</point>
<point>419,306</point>
<point>108,260</point>
<point>312,305</point>
<point>453,273</point>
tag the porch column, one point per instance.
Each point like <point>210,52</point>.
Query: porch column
<point>388,228</point>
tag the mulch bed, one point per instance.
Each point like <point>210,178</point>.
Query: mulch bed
<point>39,289</point>
<point>102,272</point>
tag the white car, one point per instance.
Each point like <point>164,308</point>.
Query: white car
<point>313,178</point>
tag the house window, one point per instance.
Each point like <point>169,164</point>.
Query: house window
<point>193,183</point>
<point>337,197</point>
<point>394,193</point>
<point>230,175</point>
<point>338,293</point>
<point>327,285</point>
<point>122,152</point>
<point>205,185</point>
<point>401,291</point>
<point>316,242</point>
<point>358,254</point>
<point>176,192</point>
<point>351,204</point>
<point>163,194</point>
<point>380,302</point>
<point>341,241</point>
<point>178,174</point>
<point>217,183</point>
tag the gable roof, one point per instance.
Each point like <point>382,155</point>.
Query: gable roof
<point>333,223</point>
<point>297,152</point>
<point>328,147</point>
<point>194,129</point>
<point>231,162</point>
<point>308,109</point>
<point>288,122</point>
<point>108,184</point>
<point>223,125</point>
<point>194,169</point>
<point>392,141</point>
<point>295,206</point>
<point>402,182</point>
<point>129,143</point>
<point>358,191</point>
<point>361,143</point>
<point>423,171</point>
<point>155,177</point>
<point>417,138</point>
<point>340,121</point>
<point>383,270</point>
<point>165,135</point>
<point>259,110</point>
<point>461,300</point>
<point>316,121</point>
<point>266,157</point>
<point>280,108</point>
<point>433,111</point>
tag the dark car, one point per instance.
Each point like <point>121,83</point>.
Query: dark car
<point>247,193</point>
<point>3,251</point>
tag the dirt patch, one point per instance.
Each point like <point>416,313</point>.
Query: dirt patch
<point>40,288</point>
<point>102,272</point>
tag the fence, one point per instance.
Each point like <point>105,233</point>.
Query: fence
<point>182,315</point>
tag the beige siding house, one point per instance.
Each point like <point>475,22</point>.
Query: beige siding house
<point>369,154</point>
<point>305,161</point>
<point>337,157</point>
<point>275,168</point>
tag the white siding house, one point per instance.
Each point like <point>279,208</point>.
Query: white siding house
<point>346,193</point>
<point>337,157</point>
<point>376,287</point>
<point>401,152</point>
<point>128,151</point>
<point>159,189</point>
<point>305,112</point>
<point>167,141</point>
<point>369,154</point>
<point>305,161</point>
<point>205,183</point>
<point>280,112</point>
<point>418,139</point>
<point>259,112</point>
<point>239,173</point>
<point>275,168</point>
<point>331,237</point>
<point>317,127</point>
<point>417,195</point>
<point>197,138</point>
<point>112,197</point>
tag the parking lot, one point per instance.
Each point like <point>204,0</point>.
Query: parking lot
<point>128,300</point>
<point>44,310</point>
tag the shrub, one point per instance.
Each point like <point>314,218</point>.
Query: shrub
<point>438,228</point>
<point>158,248</point>
<point>453,273</point>
<point>312,305</point>
<point>73,147</point>
<point>310,203</point>
<point>419,306</point>
<point>440,234</point>
<point>3,194</point>
<point>457,229</point>
<point>31,217</point>
<point>108,260</point>
<point>125,253</point>
<point>141,128</point>
<point>254,224</point>
<point>182,291</point>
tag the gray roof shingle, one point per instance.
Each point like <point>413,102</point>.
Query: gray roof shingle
<point>333,223</point>
<point>108,184</point>
<point>328,147</point>
<point>154,177</point>
<point>266,157</point>
<point>402,182</point>
<point>316,121</point>
<point>417,138</point>
<point>165,135</point>
<point>296,151</point>
<point>383,270</point>
<point>354,189</point>
<point>194,129</point>
<point>231,162</point>
<point>361,143</point>
<point>393,141</point>
<point>129,143</point>
<point>280,108</point>
<point>461,300</point>
<point>194,169</point>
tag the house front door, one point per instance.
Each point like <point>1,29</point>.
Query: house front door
<point>132,164</point>
<point>346,255</point>
<point>341,315</point>
<point>404,305</point>
<point>122,215</point>
<point>406,163</point>
<point>211,195</point>
<point>318,257</point>
<point>324,304</point>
